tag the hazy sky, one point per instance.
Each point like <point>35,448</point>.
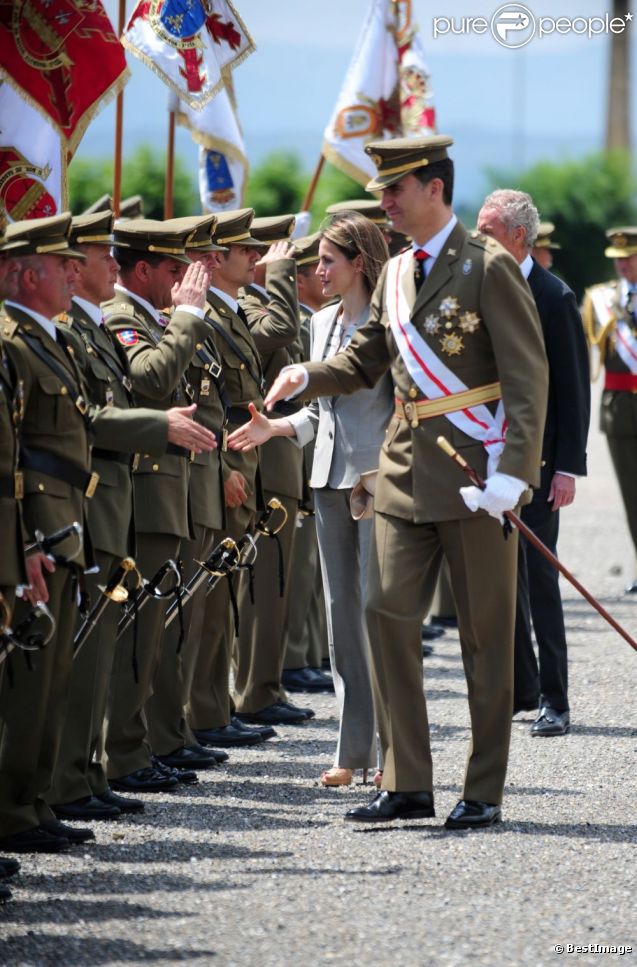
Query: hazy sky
<point>504,107</point>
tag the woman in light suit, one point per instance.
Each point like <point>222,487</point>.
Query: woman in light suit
<point>349,431</point>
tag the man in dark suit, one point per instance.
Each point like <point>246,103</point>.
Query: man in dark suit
<point>512,219</point>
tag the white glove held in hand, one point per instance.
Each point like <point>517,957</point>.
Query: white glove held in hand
<point>501,493</point>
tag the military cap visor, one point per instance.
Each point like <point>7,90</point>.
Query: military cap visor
<point>41,236</point>
<point>233,228</point>
<point>199,241</point>
<point>399,157</point>
<point>150,237</point>
<point>306,249</point>
<point>623,243</point>
<point>94,228</point>
<point>270,229</point>
<point>543,239</point>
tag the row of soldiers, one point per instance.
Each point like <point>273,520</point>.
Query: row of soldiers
<point>130,350</point>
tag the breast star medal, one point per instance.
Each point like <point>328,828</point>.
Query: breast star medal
<point>452,344</point>
<point>432,325</point>
<point>449,306</point>
<point>469,321</point>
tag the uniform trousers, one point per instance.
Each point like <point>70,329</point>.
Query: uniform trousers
<point>126,745</point>
<point>261,640</point>
<point>306,637</point>
<point>32,709</point>
<point>623,452</point>
<point>76,775</point>
<point>344,549</point>
<point>539,600</point>
<point>209,706</point>
<point>404,563</point>
<point>167,728</point>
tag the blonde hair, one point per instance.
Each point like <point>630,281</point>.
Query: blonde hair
<point>353,235</point>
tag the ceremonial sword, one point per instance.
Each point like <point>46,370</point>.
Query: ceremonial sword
<point>114,591</point>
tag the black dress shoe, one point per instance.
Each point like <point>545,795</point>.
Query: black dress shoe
<point>187,776</point>
<point>74,834</point>
<point>34,840</point>
<point>87,808</point>
<point>469,814</point>
<point>218,756</point>
<point>265,731</point>
<point>189,759</point>
<point>387,806</point>
<point>631,588</point>
<point>227,737</point>
<point>431,631</point>
<point>427,650</point>
<point>309,713</point>
<point>124,804</point>
<point>276,714</point>
<point>550,722</point>
<point>444,620</point>
<point>306,680</point>
<point>5,893</point>
<point>144,780</point>
<point>8,867</point>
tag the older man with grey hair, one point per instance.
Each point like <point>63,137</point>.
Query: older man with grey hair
<point>512,219</point>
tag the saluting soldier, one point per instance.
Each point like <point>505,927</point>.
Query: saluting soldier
<point>80,787</point>
<point>170,735</point>
<point>306,636</point>
<point>441,319</point>
<point>211,714</point>
<point>152,263</point>
<point>609,311</point>
<point>268,301</point>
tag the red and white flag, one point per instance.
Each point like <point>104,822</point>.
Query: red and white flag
<point>190,44</point>
<point>386,93</point>
<point>60,62</point>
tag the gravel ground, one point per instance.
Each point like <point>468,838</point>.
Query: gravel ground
<point>256,866</point>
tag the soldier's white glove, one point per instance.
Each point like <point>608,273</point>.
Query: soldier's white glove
<point>501,493</point>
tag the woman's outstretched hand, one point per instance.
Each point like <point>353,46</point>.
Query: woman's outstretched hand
<point>251,434</point>
<point>287,383</point>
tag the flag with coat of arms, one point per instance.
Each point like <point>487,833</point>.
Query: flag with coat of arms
<point>50,90</point>
<point>190,44</point>
<point>386,93</point>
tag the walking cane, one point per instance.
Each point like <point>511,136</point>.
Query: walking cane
<point>533,539</point>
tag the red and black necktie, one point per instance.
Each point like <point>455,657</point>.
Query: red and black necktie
<point>419,266</point>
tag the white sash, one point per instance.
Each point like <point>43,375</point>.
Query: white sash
<point>429,372</point>
<point>602,299</point>
<point>626,345</point>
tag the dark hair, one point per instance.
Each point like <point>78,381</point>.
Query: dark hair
<point>438,169</point>
<point>353,235</point>
<point>127,258</point>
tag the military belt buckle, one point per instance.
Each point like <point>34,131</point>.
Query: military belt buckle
<point>135,463</point>
<point>411,414</point>
<point>214,369</point>
<point>191,456</point>
<point>18,485</point>
<point>224,440</point>
<point>91,487</point>
<point>81,405</point>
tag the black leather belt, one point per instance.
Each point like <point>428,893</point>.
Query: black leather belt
<point>176,451</point>
<point>286,407</point>
<point>221,436</point>
<point>238,415</point>
<point>61,469</point>
<point>12,486</point>
<point>100,454</point>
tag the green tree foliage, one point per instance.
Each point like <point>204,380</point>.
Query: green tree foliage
<point>143,173</point>
<point>276,186</point>
<point>582,198</point>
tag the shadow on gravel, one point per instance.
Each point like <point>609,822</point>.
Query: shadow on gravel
<point>40,950</point>
<point>176,851</point>
<point>229,817</point>
<point>126,883</point>
<point>616,731</point>
<point>541,791</point>
<point>58,911</point>
<point>596,831</point>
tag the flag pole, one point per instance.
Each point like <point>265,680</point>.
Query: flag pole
<point>309,195</point>
<point>170,167</point>
<point>119,124</point>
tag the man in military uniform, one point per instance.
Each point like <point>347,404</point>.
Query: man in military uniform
<point>80,787</point>
<point>609,311</point>
<point>12,567</point>
<point>306,639</point>
<point>545,246</point>
<point>441,318</point>
<point>152,262</point>
<point>169,733</point>
<point>271,299</point>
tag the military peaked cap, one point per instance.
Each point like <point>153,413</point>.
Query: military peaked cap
<point>398,157</point>
<point>41,236</point>
<point>151,237</point>
<point>623,242</point>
